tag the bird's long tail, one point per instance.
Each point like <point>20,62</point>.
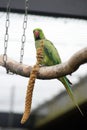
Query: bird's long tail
<point>66,83</point>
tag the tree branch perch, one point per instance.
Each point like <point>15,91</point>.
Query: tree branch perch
<point>49,72</point>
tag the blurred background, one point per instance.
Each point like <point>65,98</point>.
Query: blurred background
<point>65,24</point>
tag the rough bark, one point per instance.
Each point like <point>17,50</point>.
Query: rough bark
<point>49,72</point>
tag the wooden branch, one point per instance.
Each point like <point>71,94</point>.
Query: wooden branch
<point>50,72</point>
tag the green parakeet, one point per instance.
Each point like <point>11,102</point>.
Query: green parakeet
<point>51,57</point>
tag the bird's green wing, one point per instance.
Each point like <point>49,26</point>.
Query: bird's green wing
<point>51,52</point>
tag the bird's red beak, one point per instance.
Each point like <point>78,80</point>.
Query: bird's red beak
<point>36,33</point>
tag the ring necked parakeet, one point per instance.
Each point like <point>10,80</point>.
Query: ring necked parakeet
<point>51,57</point>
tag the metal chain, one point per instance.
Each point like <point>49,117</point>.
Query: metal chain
<point>23,39</point>
<point>6,37</point>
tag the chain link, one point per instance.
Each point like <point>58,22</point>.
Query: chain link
<point>6,37</point>
<point>23,39</point>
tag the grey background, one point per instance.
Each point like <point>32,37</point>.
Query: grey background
<point>71,8</point>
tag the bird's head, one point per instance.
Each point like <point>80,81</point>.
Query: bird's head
<point>38,34</point>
